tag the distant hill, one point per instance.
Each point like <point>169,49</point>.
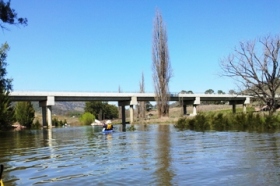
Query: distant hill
<point>63,108</point>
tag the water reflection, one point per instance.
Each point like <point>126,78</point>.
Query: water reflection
<point>151,155</point>
<point>164,173</point>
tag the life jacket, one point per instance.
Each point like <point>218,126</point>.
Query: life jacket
<point>109,126</point>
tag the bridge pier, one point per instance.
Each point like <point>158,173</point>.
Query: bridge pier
<point>194,110</point>
<point>244,103</point>
<point>44,115</point>
<point>123,117</point>
<point>131,114</point>
<point>47,111</point>
<point>132,102</point>
<point>184,109</point>
<point>244,108</point>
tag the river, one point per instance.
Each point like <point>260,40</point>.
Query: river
<point>150,155</point>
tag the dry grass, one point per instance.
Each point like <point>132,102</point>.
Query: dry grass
<point>175,113</point>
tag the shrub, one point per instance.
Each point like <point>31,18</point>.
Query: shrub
<point>37,124</point>
<point>182,123</point>
<point>87,118</point>
<point>223,121</point>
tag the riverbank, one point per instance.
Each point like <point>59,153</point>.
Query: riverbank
<point>151,117</point>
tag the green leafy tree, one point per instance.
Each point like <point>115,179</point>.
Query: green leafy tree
<point>95,107</point>
<point>102,110</point>
<point>220,92</point>
<point>9,16</point>
<point>111,111</point>
<point>186,92</point>
<point>87,118</point>
<point>209,91</point>
<point>25,113</point>
<point>6,109</point>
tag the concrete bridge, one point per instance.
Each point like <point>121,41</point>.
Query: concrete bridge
<point>47,100</point>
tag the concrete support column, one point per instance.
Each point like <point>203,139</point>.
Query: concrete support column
<point>49,115</point>
<point>184,109</point>
<point>44,116</point>
<point>123,117</point>
<point>47,111</point>
<point>233,108</point>
<point>244,108</point>
<point>131,114</point>
<point>194,110</point>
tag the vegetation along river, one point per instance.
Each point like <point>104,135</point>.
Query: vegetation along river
<point>150,155</point>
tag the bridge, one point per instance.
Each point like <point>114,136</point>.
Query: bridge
<point>47,100</point>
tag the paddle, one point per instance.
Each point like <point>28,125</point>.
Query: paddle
<point>1,171</point>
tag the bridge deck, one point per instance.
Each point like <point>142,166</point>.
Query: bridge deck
<point>89,96</point>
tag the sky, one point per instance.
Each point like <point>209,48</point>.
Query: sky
<point>106,45</point>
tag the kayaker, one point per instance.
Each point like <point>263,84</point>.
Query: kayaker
<point>108,126</point>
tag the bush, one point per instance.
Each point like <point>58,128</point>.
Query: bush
<point>182,123</point>
<point>58,123</point>
<point>36,125</point>
<point>87,118</point>
<point>224,121</point>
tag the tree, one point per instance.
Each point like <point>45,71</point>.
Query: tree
<point>25,113</point>
<point>9,16</point>
<point>254,66</point>
<point>220,92</point>
<point>186,92</point>
<point>110,111</point>
<point>142,107</point>
<point>95,108</point>
<point>209,91</point>
<point>161,66</point>
<point>101,110</point>
<point>6,109</point>
<point>231,91</point>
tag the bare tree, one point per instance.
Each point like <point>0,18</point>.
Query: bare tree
<point>161,67</point>
<point>142,107</point>
<point>256,68</point>
<point>120,108</point>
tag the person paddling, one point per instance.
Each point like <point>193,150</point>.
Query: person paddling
<point>108,126</point>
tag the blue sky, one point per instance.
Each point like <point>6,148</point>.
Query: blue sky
<point>101,45</point>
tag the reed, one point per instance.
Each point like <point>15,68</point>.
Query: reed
<point>224,121</point>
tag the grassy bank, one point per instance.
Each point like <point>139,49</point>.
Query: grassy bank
<point>228,121</point>
<point>210,117</point>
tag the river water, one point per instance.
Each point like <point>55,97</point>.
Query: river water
<point>150,155</point>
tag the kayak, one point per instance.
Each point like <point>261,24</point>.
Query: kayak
<point>107,131</point>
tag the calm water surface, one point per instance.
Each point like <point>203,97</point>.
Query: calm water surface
<point>151,155</point>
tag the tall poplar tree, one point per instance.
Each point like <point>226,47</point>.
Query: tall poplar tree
<point>161,66</point>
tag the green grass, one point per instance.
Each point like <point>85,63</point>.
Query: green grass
<point>223,121</point>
